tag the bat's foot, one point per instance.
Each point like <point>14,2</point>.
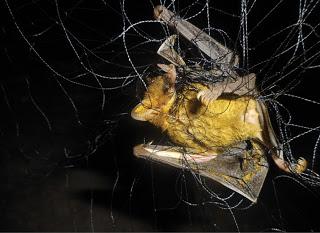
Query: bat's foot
<point>298,168</point>
<point>301,165</point>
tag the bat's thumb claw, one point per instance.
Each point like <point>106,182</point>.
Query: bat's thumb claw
<point>157,11</point>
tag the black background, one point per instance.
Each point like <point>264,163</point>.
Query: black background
<point>42,190</point>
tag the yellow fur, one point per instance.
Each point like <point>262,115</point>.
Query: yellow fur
<point>206,129</point>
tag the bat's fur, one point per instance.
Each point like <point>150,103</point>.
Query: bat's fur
<point>210,120</point>
<point>205,128</point>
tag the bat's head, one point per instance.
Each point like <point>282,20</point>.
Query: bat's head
<point>158,98</point>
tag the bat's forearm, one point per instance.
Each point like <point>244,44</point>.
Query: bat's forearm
<point>212,48</point>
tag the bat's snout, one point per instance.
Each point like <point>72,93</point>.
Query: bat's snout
<point>143,113</point>
<point>138,113</point>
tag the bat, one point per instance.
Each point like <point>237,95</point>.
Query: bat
<point>220,130</point>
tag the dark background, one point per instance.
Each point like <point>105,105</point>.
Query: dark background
<point>78,173</point>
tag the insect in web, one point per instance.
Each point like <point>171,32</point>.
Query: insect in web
<point>220,129</point>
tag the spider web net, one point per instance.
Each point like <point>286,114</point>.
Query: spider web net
<point>73,72</point>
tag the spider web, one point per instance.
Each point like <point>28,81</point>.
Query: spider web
<point>73,73</point>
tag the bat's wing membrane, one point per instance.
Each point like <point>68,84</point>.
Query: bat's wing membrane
<point>241,170</point>
<point>167,51</point>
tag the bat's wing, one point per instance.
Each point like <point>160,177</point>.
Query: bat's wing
<point>167,51</point>
<point>241,170</point>
<point>223,57</point>
<point>245,85</point>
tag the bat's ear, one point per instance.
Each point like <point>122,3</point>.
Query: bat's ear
<point>142,113</point>
<point>171,73</point>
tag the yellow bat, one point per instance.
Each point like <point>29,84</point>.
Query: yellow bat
<point>221,130</point>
